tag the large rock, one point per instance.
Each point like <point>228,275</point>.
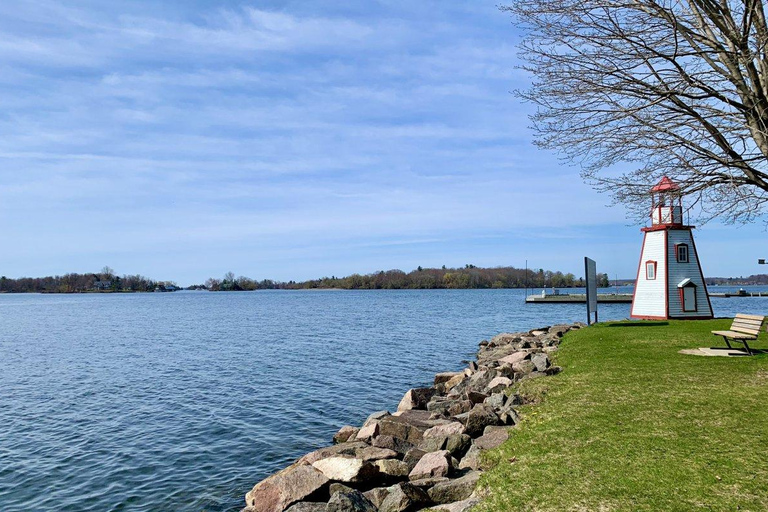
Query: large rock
<point>416,399</point>
<point>459,506</point>
<point>515,358</point>
<point>281,490</point>
<point>350,449</point>
<point>395,444</point>
<point>444,377</point>
<point>492,438</point>
<point>471,459</point>
<point>445,430</point>
<point>459,407</point>
<point>432,464</point>
<point>413,457</point>
<point>496,400</point>
<point>392,469</point>
<point>455,490</point>
<point>345,433</point>
<point>454,381</point>
<point>404,497</point>
<point>458,444</point>
<point>375,417</point>
<point>368,432</point>
<point>499,384</point>
<point>540,361</point>
<point>377,495</point>
<point>371,453</point>
<point>345,469</point>
<point>350,501</point>
<point>480,417</point>
<point>403,427</point>
<point>305,506</point>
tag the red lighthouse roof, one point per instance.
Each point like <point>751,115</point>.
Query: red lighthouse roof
<point>664,185</point>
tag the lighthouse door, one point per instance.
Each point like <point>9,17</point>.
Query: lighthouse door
<point>689,298</point>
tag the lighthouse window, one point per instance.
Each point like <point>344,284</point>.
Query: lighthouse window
<point>682,253</point>
<point>650,270</point>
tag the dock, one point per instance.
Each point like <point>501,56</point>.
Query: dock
<point>740,293</point>
<point>564,298</point>
<point>617,298</point>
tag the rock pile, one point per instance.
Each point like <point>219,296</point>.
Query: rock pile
<point>425,455</point>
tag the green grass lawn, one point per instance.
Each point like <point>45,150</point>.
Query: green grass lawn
<point>630,424</point>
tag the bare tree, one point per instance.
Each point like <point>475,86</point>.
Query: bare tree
<point>677,88</point>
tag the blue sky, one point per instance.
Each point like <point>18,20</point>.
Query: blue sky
<point>289,140</point>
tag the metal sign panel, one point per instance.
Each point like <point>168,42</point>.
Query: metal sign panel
<point>590,272</point>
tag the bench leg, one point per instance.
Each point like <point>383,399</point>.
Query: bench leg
<point>749,351</point>
<point>727,342</point>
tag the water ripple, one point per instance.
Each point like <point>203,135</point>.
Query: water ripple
<point>183,401</point>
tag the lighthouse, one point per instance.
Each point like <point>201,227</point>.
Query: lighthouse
<point>669,282</point>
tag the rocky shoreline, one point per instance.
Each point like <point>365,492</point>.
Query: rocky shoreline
<point>427,454</point>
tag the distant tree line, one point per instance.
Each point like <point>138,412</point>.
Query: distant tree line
<point>469,276</point>
<point>756,279</point>
<point>104,281</point>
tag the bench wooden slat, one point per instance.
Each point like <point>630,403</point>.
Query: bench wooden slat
<point>753,332</point>
<point>754,325</point>
<point>747,321</point>
<point>734,335</point>
<point>750,317</point>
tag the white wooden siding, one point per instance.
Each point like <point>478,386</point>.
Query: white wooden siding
<point>650,297</point>
<point>680,271</point>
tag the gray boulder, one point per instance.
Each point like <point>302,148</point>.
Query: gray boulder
<point>345,469</point>
<point>281,490</point>
<point>305,506</point>
<point>480,417</point>
<point>404,497</point>
<point>392,469</point>
<point>455,490</point>
<point>344,434</point>
<point>432,464</point>
<point>416,399</point>
<point>540,361</point>
<point>350,501</point>
<point>492,438</point>
<point>395,444</point>
<point>459,506</point>
<point>471,459</point>
<point>377,495</point>
<point>458,444</point>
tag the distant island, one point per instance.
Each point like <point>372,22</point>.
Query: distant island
<point>469,276</point>
<point>105,281</point>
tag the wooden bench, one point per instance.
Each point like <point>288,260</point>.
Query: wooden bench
<point>743,329</point>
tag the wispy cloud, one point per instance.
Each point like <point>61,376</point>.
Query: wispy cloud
<point>178,139</point>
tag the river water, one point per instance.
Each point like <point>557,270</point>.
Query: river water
<point>183,401</point>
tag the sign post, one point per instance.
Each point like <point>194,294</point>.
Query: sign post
<point>590,273</point>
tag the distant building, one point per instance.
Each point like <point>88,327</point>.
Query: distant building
<point>102,285</point>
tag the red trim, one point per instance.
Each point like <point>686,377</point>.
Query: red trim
<point>666,272</point>
<point>655,266</point>
<point>691,318</point>
<point>646,317</point>
<point>660,227</point>
<point>639,266</point>
<point>703,280</point>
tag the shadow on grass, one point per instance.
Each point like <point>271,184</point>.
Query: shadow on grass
<point>638,324</point>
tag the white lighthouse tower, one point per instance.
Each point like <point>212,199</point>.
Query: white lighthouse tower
<point>669,283</point>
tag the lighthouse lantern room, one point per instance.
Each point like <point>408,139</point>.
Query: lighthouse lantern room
<point>669,282</point>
